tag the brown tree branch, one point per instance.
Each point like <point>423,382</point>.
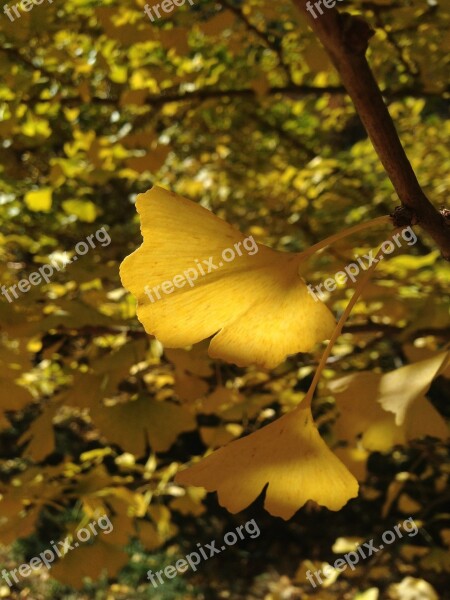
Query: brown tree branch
<point>293,90</point>
<point>345,39</point>
<point>211,93</point>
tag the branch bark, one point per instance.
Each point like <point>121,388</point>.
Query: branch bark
<point>211,93</point>
<point>345,39</point>
<point>293,90</point>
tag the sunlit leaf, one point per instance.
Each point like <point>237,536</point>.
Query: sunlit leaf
<point>257,307</point>
<point>288,456</point>
<point>39,200</point>
<point>83,209</point>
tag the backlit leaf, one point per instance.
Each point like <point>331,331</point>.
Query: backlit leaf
<point>289,455</point>
<point>257,307</point>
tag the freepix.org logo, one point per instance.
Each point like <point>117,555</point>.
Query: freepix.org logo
<point>47,557</point>
<point>166,6</point>
<point>352,270</point>
<point>193,559</point>
<point>25,5</point>
<point>191,275</point>
<point>351,559</point>
<point>47,270</point>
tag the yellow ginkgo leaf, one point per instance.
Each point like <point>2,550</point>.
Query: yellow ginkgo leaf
<point>367,403</point>
<point>214,437</point>
<point>135,423</point>
<point>221,399</point>
<point>148,536</point>
<point>196,276</point>
<point>89,561</point>
<point>289,455</point>
<point>355,459</point>
<point>361,415</point>
<point>191,503</point>
<point>85,210</point>
<point>41,435</point>
<point>190,366</point>
<point>39,200</point>
<point>399,389</point>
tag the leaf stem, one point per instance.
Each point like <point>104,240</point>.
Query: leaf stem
<point>343,234</point>
<point>337,332</point>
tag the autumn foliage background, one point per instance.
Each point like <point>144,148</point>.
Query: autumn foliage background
<point>236,106</point>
